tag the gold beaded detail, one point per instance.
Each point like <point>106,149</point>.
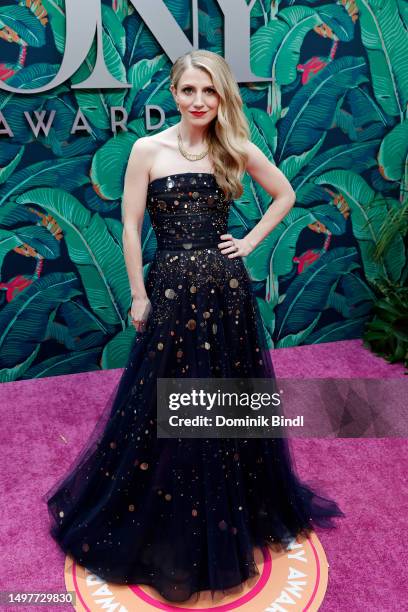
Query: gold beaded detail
<point>170,293</point>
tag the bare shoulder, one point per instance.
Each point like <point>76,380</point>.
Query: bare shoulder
<point>157,140</point>
<point>163,136</point>
<point>142,154</point>
<point>146,148</point>
<point>257,161</point>
<point>253,152</point>
<point>145,145</point>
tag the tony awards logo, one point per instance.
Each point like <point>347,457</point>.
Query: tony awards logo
<point>80,34</point>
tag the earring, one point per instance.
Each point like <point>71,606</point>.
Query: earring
<point>178,108</point>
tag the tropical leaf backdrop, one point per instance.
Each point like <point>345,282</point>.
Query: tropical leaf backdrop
<point>333,119</point>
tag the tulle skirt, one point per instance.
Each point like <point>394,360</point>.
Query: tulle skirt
<point>184,514</point>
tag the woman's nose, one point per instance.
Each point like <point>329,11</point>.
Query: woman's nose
<point>198,100</point>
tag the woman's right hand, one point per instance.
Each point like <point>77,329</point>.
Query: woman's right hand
<point>139,312</point>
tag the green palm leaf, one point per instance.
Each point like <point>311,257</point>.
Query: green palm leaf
<point>13,107</point>
<point>393,153</point>
<point>81,320</point>
<point>24,22</point>
<point>292,165</point>
<point>339,330</point>
<point>267,320</point>
<point>274,254</point>
<point>299,337</point>
<point>140,75</point>
<point>56,13</point>
<point>403,11</point>
<point>117,350</point>
<point>337,18</point>
<point>313,107</point>
<point>72,172</point>
<point>307,294</point>
<point>114,29</point>
<point>34,76</point>
<point>68,363</point>
<point>40,239</point>
<point>275,47</point>
<point>8,241</point>
<point>386,41</point>
<point>24,320</point>
<point>368,212</point>
<point>357,157</point>
<point>92,249</point>
<point>109,165</point>
<point>8,170</point>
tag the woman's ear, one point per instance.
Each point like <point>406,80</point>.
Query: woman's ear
<point>175,99</point>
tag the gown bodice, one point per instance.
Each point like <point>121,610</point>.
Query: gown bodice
<point>187,210</point>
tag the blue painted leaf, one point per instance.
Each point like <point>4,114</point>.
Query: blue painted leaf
<point>331,217</point>
<point>116,351</point>
<point>338,20</point>
<point>369,211</point>
<point>8,170</point>
<point>36,75</point>
<point>357,157</point>
<point>81,320</point>
<point>312,108</point>
<point>68,363</point>
<point>24,23</point>
<point>92,249</point>
<point>386,43</point>
<point>24,320</point>
<point>40,239</point>
<point>307,294</point>
<point>339,330</point>
<point>70,172</point>
<point>275,47</point>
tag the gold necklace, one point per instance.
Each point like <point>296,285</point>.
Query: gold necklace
<point>186,154</point>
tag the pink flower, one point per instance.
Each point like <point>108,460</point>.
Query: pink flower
<point>307,258</point>
<point>312,67</point>
<point>15,286</point>
<point>6,72</point>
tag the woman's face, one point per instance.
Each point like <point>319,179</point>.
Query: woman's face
<point>196,96</point>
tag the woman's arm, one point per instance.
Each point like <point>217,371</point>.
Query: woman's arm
<point>133,209</point>
<point>284,198</point>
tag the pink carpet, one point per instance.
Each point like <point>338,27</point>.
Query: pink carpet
<point>46,421</point>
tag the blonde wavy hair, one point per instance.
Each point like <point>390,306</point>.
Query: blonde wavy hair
<point>228,132</point>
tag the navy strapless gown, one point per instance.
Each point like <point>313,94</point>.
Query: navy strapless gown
<point>183,515</point>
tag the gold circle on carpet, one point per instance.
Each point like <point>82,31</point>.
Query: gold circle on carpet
<point>294,580</point>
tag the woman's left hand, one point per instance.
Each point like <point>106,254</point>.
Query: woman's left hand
<point>234,247</point>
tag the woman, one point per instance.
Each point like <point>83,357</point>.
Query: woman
<point>184,514</point>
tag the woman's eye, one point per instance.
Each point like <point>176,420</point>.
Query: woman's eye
<point>209,90</point>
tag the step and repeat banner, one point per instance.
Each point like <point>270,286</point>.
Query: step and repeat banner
<point>325,90</point>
